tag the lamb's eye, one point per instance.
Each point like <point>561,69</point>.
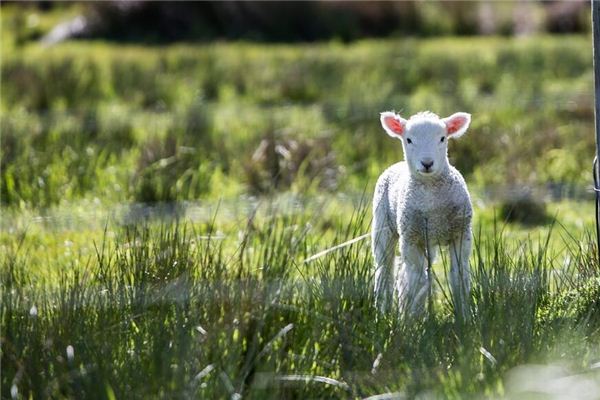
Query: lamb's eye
<point>442,139</point>
<point>408,140</point>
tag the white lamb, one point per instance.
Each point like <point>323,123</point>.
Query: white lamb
<point>422,202</point>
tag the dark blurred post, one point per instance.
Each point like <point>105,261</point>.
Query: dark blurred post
<point>596,33</point>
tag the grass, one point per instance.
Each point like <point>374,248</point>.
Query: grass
<point>173,123</point>
<point>175,309</point>
<point>159,203</point>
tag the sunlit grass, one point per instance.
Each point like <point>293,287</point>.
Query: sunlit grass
<point>159,204</point>
<point>210,309</point>
<point>151,123</point>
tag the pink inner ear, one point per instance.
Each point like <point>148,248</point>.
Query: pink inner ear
<point>394,125</point>
<point>455,124</point>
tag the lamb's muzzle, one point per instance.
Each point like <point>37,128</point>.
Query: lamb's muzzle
<point>427,163</point>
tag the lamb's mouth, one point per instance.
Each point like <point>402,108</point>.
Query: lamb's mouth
<point>428,171</point>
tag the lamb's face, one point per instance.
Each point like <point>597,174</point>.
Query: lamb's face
<point>425,146</point>
<point>425,139</point>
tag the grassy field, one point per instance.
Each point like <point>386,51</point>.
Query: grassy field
<point>212,308</point>
<point>159,204</point>
<point>125,123</point>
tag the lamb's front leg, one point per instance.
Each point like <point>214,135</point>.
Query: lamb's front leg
<point>413,284</point>
<point>460,279</point>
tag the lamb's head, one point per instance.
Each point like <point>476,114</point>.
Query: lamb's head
<point>425,137</point>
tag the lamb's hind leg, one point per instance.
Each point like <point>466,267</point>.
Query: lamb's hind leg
<point>384,242</point>
<point>460,280</point>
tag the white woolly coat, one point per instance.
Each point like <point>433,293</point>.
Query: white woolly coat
<point>424,210</point>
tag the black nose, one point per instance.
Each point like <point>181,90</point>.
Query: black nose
<point>427,164</point>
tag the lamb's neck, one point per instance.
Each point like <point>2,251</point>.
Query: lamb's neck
<point>434,180</point>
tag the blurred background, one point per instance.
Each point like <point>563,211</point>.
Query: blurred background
<point>139,101</point>
<point>294,21</point>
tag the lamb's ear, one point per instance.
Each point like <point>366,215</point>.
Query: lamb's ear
<point>457,124</point>
<point>393,124</point>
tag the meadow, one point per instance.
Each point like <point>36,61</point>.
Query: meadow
<point>161,204</point>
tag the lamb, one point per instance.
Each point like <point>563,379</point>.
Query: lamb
<point>422,203</point>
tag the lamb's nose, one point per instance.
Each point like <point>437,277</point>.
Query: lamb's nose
<point>427,163</point>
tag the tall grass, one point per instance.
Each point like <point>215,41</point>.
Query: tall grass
<point>171,309</point>
<point>122,123</point>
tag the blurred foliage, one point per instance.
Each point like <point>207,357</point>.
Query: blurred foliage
<point>277,163</point>
<point>167,172</point>
<point>524,208</point>
<point>285,21</point>
<point>90,119</point>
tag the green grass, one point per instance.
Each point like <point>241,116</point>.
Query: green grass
<point>182,122</point>
<point>206,309</point>
<point>158,203</point>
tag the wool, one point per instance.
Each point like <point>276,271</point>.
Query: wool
<point>418,205</point>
